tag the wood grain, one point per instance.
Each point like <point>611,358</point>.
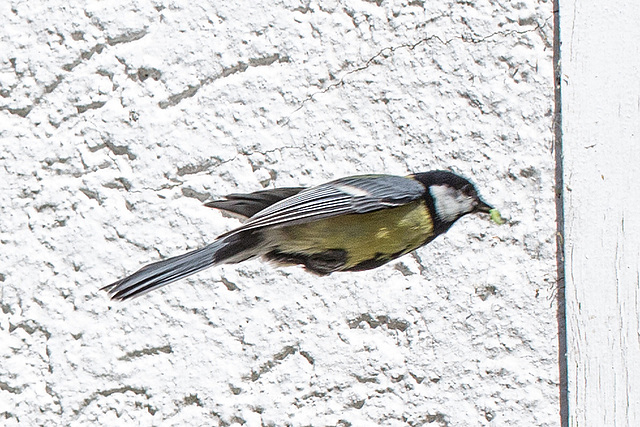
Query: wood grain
<point>601,147</point>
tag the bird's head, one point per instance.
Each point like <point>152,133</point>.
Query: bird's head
<point>453,196</point>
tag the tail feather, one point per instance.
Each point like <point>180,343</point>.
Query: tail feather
<point>164,272</point>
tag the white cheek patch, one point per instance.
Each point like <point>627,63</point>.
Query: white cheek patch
<point>450,203</point>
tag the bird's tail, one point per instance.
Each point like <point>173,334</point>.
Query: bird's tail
<point>163,272</point>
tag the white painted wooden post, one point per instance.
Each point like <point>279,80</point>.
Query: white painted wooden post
<point>600,73</point>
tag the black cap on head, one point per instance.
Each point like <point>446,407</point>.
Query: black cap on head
<point>440,177</point>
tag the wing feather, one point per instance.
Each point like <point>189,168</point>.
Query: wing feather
<point>345,196</point>
<point>247,205</point>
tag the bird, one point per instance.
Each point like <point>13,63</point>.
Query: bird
<point>349,224</point>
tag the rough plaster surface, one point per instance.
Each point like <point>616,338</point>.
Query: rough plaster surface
<point>118,119</point>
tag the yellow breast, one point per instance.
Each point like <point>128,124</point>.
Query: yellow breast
<point>387,232</point>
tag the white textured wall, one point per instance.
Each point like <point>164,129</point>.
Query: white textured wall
<point>601,137</point>
<point>118,119</point>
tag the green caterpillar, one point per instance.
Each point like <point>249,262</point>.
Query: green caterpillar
<point>495,217</point>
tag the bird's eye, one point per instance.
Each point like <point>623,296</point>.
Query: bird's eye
<point>468,191</point>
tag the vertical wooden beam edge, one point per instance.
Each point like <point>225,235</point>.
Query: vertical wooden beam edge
<point>560,296</point>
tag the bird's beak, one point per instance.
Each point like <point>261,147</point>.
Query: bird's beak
<point>483,207</point>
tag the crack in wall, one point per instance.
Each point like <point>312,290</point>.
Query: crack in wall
<point>240,67</point>
<point>504,33</point>
<point>388,51</point>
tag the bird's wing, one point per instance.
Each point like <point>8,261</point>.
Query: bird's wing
<point>345,196</point>
<point>247,205</point>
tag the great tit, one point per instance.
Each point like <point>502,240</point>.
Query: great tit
<point>350,224</point>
